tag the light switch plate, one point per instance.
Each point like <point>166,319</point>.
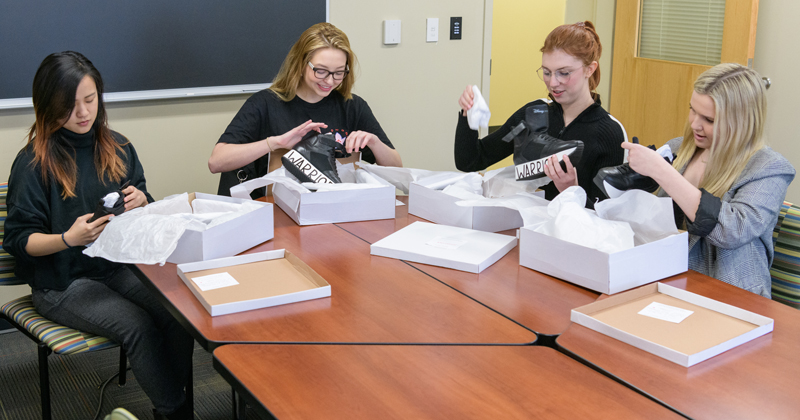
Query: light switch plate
<point>391,32</point>
<point>432,30</point>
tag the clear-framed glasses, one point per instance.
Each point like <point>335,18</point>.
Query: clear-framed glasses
<point>322,74</point>
<point>562,75</point>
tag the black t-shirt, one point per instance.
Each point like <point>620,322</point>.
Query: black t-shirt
<point>264,114</point>
<point>601,134</point>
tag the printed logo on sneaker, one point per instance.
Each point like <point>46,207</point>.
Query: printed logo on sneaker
<point>339,138</point>
<point>302,164</point>
<point>535,168</point>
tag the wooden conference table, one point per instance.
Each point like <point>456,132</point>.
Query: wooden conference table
<point>373,300</point>
<point>425,382</point>
<point>378,300</point>
<point>535,300</point>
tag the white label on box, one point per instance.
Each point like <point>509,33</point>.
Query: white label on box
<point>446,242</point>
<point>215,281</point>
<point>665,312</point>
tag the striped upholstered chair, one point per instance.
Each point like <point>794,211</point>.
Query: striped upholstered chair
<point>49,336</point>
<point>785,269</point>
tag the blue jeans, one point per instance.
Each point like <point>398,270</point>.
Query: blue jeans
<point>121,308</point>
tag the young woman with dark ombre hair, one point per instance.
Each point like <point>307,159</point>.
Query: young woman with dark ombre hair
<point>71,161</point>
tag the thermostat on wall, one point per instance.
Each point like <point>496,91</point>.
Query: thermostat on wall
<point>391,32</point>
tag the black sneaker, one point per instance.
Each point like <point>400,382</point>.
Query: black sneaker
<point>533,146</point>
<point>117,209</point>
<point>313,159</point>
<point>615,180</point>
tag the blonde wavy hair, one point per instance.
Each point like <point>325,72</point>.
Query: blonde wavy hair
<point>315,38</point>
<point>741,111</point>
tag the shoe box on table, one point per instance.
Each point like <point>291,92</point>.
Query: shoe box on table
<point>445,246</point>
<point>336,206</point>
<point>601,271</point>
<point>226,239</point>
<point>436,206</point>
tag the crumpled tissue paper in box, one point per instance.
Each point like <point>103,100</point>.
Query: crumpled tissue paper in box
<point>617,224</point>
<point>149,235</point>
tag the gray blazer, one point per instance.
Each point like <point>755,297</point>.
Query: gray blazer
<point>739,248</point>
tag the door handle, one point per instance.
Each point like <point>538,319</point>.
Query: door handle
<point>767,82</point>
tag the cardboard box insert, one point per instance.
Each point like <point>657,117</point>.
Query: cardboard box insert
<point>265,279</point>
<point>285,276</point>
<point>713,328</point>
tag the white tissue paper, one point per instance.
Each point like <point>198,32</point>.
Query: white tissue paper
<point>650,217</point>
<point>110,199</point>
<point>666,152</point>
<point>570,221</point>
<point>401,178</point>
<point>149,235</point>
<point>479,115</point>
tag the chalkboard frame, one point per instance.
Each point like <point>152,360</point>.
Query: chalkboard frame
<point>252,55</point>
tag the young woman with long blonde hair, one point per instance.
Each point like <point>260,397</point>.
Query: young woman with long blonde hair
<point>727,185</point>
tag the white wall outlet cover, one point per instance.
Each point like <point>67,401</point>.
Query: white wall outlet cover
<point>391,32</point>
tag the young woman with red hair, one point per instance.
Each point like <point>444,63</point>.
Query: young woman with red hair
<point>570,71</point>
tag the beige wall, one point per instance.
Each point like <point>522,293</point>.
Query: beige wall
<point>775,58</point>
<point>413,87</point>
<point>601,13</point>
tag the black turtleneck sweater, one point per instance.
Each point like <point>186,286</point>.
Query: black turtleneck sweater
<point>600,133</point>
<point>36,207</point>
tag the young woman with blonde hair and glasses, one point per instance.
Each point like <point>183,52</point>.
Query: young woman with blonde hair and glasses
<point>312,92</point>
<point>727,185</point>
<point>570,71</point>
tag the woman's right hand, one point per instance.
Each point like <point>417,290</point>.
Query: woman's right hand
<point>645,161</point>
<point>288,139</point>
<point>465,101</point>
<point>82,233</point>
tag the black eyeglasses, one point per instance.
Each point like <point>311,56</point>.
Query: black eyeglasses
<point>322,74</point>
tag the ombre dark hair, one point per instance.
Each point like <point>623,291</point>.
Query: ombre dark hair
<point>54,88</point>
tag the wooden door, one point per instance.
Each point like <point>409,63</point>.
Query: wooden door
<point>651,97</point>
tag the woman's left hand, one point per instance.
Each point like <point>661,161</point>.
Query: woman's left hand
<point>134,198</point>
<point>358,140</point>
<point>562,179</point>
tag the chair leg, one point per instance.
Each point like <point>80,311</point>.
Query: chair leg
<point>123,366</point>
<point>44,380</point>
<point>239,406</point>
<point>190,390</point>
